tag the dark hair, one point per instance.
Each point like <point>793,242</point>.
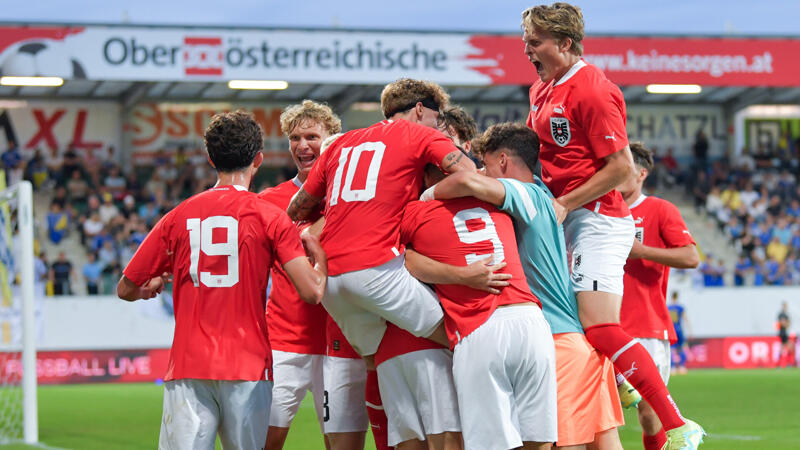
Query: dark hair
<point>520,140</point>
<point>642,156</point>
<point>405,93</point>
<point>463,124</point>
<point>232,140</point>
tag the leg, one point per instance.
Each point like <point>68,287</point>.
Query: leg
<point>347,441</point>
<point>345,414</point>
<point>445,441</point>
<point>599,314</point>
<point>191,415</point>
<point>537,445</point>
<point>653,436</point>
<point>276,437</point>
<point>293,376</point>
<point>245,407</point>
<point>376,413</point>
<point>606,440</point>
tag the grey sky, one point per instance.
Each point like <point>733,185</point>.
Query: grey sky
<point>717,17</point>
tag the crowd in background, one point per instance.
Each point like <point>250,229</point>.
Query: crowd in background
<point>755,201</point>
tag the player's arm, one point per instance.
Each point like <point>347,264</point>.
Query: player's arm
<point>479,275</point>
<point>302,204</point>
<point>619,166</point>
<point>468,184</point>
<point>130,291</point>
<point>685,257</point>
<point>309,275</point>
<point>457,161</point>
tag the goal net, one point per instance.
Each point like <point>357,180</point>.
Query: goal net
<point>18,408</point>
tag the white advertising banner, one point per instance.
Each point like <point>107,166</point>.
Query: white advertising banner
<point>87,125</point>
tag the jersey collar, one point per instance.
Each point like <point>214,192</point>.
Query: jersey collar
<point>572,71</point>
<point>638,201</point>
<point>235,186</point>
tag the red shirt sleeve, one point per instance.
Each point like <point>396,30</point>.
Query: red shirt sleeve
<point>603,118</point>
<point>433,145</point>
<point>151,258</point>
<point>410,224</point>
<point>315,183</point>
<point>285,238</point>
<point>673,229</point>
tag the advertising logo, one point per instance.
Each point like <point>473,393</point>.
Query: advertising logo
<point>203,56</point>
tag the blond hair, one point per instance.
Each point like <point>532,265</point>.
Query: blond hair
<point>405,93</point>
<point>562,20</point>
<point>321,113</point>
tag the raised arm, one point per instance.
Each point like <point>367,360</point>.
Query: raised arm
<point>685,257</point>
<point>457,161</point>
<point>309,277</point>
<point>466,184</point>
<point>301,205</point>
<point>618,168</point>
<point>479,275</point>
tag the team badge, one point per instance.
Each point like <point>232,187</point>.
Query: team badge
<point>559,129</point>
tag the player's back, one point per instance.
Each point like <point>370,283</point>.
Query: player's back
<point>543,252</point>
<point>368,176</point>
<point>220,244</point>
<point>460,232</point>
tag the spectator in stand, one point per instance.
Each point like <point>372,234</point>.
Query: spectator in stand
<point>129,207</point>
<point>775,207</point>
<point>91,166</point>
<point>61,275</point>
<point>36,170</point>
<point>12,164</point>
<point>763,157</point>
<point>71,161</point>
<point>115,183</point>
<point>782,276</point>
<point>748,195</point>
<point>108,159</point>
<point>100,239</point>
<point>134,186</point>
<point>92,271</point>
<point>156,188</point>
<point>107,254</point>
<point>783,230</point>
<point>777,250</point>
<point>734,229</point>
<point>78,188</point>
<point>126,253</point>
<point>108,210</point>
<point>58,221</point>
<point>700,148</point>
<point>92,226</point>
<point>730,197</point>
<point>55,163</point>
<point>742,271</point>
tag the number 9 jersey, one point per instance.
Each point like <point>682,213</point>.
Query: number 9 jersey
<point>218,245</point>
<point>368,176</point>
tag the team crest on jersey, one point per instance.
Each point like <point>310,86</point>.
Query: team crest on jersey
<point>640,234</point>
<point>559,129</point>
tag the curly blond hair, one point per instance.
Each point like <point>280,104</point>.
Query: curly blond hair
<point>321,113</point>
<point>405,93</point>
<point>562,20</point>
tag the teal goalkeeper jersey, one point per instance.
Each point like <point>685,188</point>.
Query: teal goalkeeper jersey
<point>543,253</point>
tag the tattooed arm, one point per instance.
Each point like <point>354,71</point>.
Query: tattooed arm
<point>456,161</point>
<point>302,204</point>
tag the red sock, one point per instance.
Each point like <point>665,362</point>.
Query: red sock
<point>375,412</point>
<point>654,442</point>
<point>638,368</point>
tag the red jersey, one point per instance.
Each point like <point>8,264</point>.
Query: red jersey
<point>294,325</point>
<point>579,120</point>
<point>218,245</point>
<point>644,304</point>
<point>397,341</point>
<point>337,344</point>
<point>368,176</point>
<point>460,232</point>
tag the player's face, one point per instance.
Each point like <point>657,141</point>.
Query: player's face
<point>544,52</point>
<point>491,162</point>
<point>304,143</point>
<point>634,182</point>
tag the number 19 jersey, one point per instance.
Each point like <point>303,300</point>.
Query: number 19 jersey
<point>368,176</point>
<point>218,245</point>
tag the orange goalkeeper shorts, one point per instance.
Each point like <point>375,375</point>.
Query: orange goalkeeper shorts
<point>588,401</point>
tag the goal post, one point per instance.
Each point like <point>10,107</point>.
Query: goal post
<point>18,201</point>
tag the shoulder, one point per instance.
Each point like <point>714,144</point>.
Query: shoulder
<point>592,83</point>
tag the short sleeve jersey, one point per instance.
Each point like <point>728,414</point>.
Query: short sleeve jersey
<point>580,119</point>
<point>336,343</point>
<point>460,232</point>
<point>543,253</point>
<point>294,325</point>
<point>368,176</point>
<point>218,245</point>
<point>644,303</point>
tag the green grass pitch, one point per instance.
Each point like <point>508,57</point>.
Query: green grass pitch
<point>757,409</point>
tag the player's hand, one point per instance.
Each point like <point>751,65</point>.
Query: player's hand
<point>482,275</point>
<point>637,251</point>
<point>561,211</point>
<point>152,288</point>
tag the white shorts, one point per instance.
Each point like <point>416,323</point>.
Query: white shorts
<point>661,353</point>
<point>505,376</point>
<point>344,407</point>
<point>597,249</point>
<point>362,301</point>
<point>194,410</point>
<point>419,395</point>
<point>294,374</point>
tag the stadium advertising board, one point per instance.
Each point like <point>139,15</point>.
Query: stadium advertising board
<point>150,127</point>
<point>203,54</point>
<point>88,126</point>
<point>741,352</point>
<point>111,366</point>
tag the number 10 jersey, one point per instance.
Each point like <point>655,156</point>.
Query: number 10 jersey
<point>368,176</point>
<point>218,245</point>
